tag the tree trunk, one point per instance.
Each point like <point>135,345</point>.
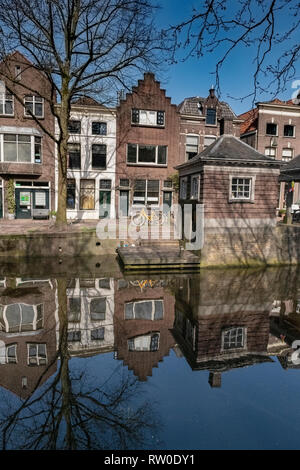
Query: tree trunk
<point>61,216</point>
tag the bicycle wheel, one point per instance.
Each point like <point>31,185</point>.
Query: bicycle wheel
<point>138,220</point>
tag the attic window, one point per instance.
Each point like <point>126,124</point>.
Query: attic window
<point>211,116</point>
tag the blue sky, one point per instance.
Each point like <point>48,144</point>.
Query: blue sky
<point>194,76</point>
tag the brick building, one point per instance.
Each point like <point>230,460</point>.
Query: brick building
<point>272,128</point>
<point>202,121</point>
<point>147,147</point>
<point>27,151</point>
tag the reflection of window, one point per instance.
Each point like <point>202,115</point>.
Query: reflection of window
<point>74,309</point>
<point>99,128</point>
<point>74,335</point>
<point>191,147</point>
<point>233,338</point>
<point>17,318</point>
<point>98,308</point>
<point>144,310</point>
<point>104,283</point>
<point>37,354</point>
<point>211,116</point>
<point>147,154</point>
<point>34,105</point>
<point>99,157</point>
<point>87,194</point>
<point>11,354</point>
<point>97,334</point>
<point>87,283</point>
<point>148,342</point>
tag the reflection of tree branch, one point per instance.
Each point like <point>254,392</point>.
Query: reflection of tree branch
<point>68,414</point>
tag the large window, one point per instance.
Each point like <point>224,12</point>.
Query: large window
<point>149,342</point>
<point>99,157</point>
<point>74,156</point>
<point>287,154</point>
<point>71,193</point>
<point>6,102</point>
<point>191,148</point>
<point>34,105</point>
<point>211,116</point>
<point>99,128</point>
<point>233,338</point>
<point>74,309</point>
<point>11,354</point>
<point>144,310</point>
<point>17,148</point>
<point>289,130</point>
<point>17,318</point>
<point>271,128</point>
<point>37,354</point>
<point>87,194</point>
<point>146,192</point>
<point>147,154</point>
<point>148,117</point>
<point>98,308</point>
<point>241,189</point>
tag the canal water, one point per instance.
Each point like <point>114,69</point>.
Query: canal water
<point>91,359</point>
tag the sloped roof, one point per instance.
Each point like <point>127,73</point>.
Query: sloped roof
<point>293,165</point>
<point>228,148</point>
<point>250,121</point>
<point>192,106</point>
<point>86,101</point>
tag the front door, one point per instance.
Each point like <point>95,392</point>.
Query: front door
<point>167,201</point>
<point>23,203</point>
<point>124,203</point>
<point>104,204</point>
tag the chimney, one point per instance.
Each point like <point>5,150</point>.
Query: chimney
<point>215,379</point>
<point>212,92</point>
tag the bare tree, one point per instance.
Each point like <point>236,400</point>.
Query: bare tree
<point>82,46</point>
<point>267,29</point>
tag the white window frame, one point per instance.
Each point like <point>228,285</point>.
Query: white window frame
<point>187,145</point>
<point>34,102</point>
<point>197,195</point>
<point>294,131</point>
<point>6,353</point>
<point>144,201</point>
<point>3,98</point>
<point>183,188</point>
<point>148,111</point>
<point>272,135</point>
<point>134,303</point>
<point>212,137</point>
<point>38,358</point>
<point>147,163</point>
<point>34,322</point>
<point>267,152</point>
<point>284,157</point>
<point>32,149</point>
<point>146,339</point>
<point>244,335</point>
<point>252,188</point>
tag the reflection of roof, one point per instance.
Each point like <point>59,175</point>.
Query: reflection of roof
<point>192,106</point>
<point>230,148</point>
<point>221,365</point>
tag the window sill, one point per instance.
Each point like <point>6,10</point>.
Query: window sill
<point>40,118</point>
<point>152,126</point>
<point>153,165</point>
<point>289,136</point>
<point>243,201</point>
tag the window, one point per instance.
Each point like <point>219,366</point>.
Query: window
<point>105,184</point>
<point>18,73</point>
<point>124,183</point>
<point>208,140</point>
<point>34,105</point>
<point>287,154</point>
<point>270,152</point>
<point>98,309</point>
<point>104,283</point>
<point>74,127</point>
<point>195,187</point>
<point>99,128</point>
<point>183,188</point>
<point>233,338</point>
<point>74,309</point>
<point>73,336</point>
<point>37,354</point>
<point>148,342</point>
<point>288,130</point>
<point>87,194</point>
<point>147,154</point>
<point>191,147</point>
<point>168,184</point>
<point>147,118</point>
<point>71,193</point>
<point>74,156</point>
<point>17,148</point>
<point>87,283</point>
<point>271,128</point>
<point>211,116</point>
<point>6,101</point>
<point>18,318</point>
<point>11,354</point>
<point>146,192</point>
<point>97,334</point>
<point>144,310</point>
<point>99,157</point>
<point>241,188</point>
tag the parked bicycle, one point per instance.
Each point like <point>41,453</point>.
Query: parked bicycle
<point>153,217</point>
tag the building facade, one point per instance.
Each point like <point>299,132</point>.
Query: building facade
<point>272,128</point>
<point>27,176</point>
<point>202,121</point>
<point>91,161</point>
<point>147,147</point>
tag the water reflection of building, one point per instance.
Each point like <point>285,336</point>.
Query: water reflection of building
<point>27,333</point>
<point>222,323</point>
<point>90,307</point>
<point>144,315</point>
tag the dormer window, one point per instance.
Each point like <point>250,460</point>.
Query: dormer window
<point>211,116</point>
